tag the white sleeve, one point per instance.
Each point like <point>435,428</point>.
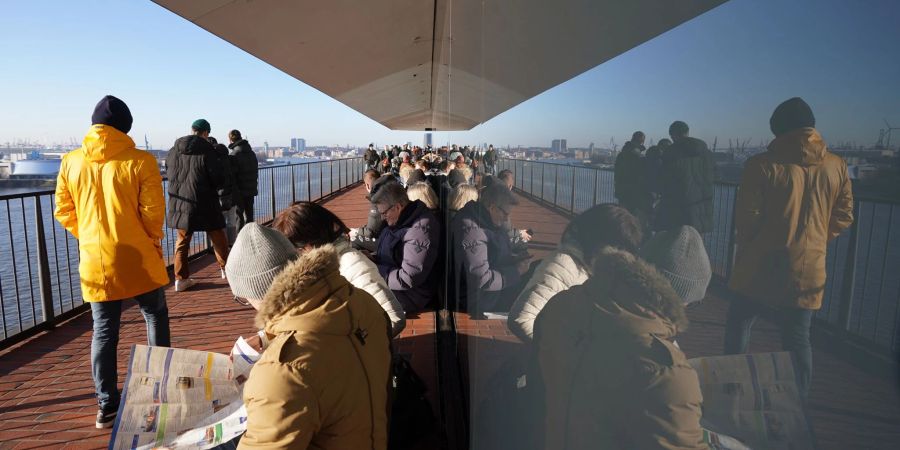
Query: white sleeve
<point>554,274</point>
<point>363,274</point>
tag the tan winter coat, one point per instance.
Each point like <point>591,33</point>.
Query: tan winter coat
<point>612,377</point>
<point>793,199</point>
<point>322,382</point>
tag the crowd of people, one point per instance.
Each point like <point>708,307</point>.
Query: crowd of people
<point>600,314</point>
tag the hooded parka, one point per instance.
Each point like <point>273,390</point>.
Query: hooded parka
<point>793,199</point>
<point>323,381</point>
<point>109,196</point>
<point>612,377</point>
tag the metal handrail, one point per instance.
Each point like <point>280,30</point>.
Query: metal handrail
<point>343,173</point>
<point>846,302</point>
<point>862,197</point>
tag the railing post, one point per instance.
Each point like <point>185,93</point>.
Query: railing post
<point>849,285</point>
<point>43,266</point>
<point>321,179</point>
<point>555,183</point>
<point>293,185</point>
<point>732,237</point>
<point>272,184</point>
<point>574,169</point>
<point>331,177</point>
<point>594,196</point>
<point>531,184</point>
<point>308,182</point>
<point>542,181</point>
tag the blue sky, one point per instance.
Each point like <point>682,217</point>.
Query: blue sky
<point>722,72</point>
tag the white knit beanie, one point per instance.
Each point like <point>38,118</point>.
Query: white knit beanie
<point>681,257</point>
<point>258,255</point>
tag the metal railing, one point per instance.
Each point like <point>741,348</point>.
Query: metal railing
<point>39,282</point>
<point>862,292</point>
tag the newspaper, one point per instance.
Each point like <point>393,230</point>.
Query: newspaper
<point>182,399</point>
<point>752,401</point>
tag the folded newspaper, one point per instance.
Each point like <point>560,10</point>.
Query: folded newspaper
<point>752,401</point>
<point>182,399</point>
<point>188,399</point>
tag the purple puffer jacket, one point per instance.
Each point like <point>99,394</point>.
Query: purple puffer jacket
<point>406,255</point>
<point>482,251</point>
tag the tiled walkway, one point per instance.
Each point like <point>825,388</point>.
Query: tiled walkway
<point>46,393</point>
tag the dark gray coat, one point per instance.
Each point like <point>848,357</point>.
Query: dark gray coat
<point>196,179</point>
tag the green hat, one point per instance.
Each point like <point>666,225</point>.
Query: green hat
<point>200,125</point>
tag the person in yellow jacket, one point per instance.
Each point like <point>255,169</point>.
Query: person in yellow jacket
<point>109,196</point>
<point>793,199</point>
<point>323,380</point>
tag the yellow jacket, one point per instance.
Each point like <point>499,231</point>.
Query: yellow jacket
<point>793,199</point>
<point>323,382</point>
<point>109,196</point>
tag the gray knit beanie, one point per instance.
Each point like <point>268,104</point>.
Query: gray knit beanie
<point>681,257</point>
<point>258,255</point>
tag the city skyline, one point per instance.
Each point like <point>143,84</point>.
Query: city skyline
<point>722,72</point>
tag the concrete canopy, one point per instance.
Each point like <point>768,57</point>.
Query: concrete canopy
<point>436,64</point>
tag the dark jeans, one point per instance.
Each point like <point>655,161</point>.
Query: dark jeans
<point>107,317</point>
<point>244,210</point>
<point>794,324</point>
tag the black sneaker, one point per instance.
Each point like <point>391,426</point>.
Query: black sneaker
<point>106,420</point>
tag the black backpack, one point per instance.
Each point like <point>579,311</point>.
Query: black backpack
<point>411,415</point>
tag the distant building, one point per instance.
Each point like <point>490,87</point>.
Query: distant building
<point>428,139</point>
<point>298,144</point>
<point>558,146</point>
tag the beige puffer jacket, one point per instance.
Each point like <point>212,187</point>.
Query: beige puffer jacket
<point>323,381</point>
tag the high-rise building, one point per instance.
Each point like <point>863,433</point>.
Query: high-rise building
<point>427,139</point>
<point>298,144</point>
<point>558,146</point>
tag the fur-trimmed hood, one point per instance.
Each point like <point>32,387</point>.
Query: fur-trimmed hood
<point>301,294</point>
<point>636,287</point>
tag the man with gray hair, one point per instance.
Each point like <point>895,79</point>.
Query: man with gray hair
<point>407,247</point>
<point>489,273</point>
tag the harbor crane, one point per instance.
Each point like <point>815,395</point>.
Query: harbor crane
<point>886,134</point>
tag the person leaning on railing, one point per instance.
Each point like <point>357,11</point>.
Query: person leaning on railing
<point>109,195</point>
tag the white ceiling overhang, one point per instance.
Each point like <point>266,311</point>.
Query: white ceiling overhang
<point>436,64</point>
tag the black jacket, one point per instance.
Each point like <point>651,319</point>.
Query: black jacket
<point>245,168</point>
<point>629,180</point>
<point>225,194</point>
<point>196,178</point>
<point>688,173</point>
